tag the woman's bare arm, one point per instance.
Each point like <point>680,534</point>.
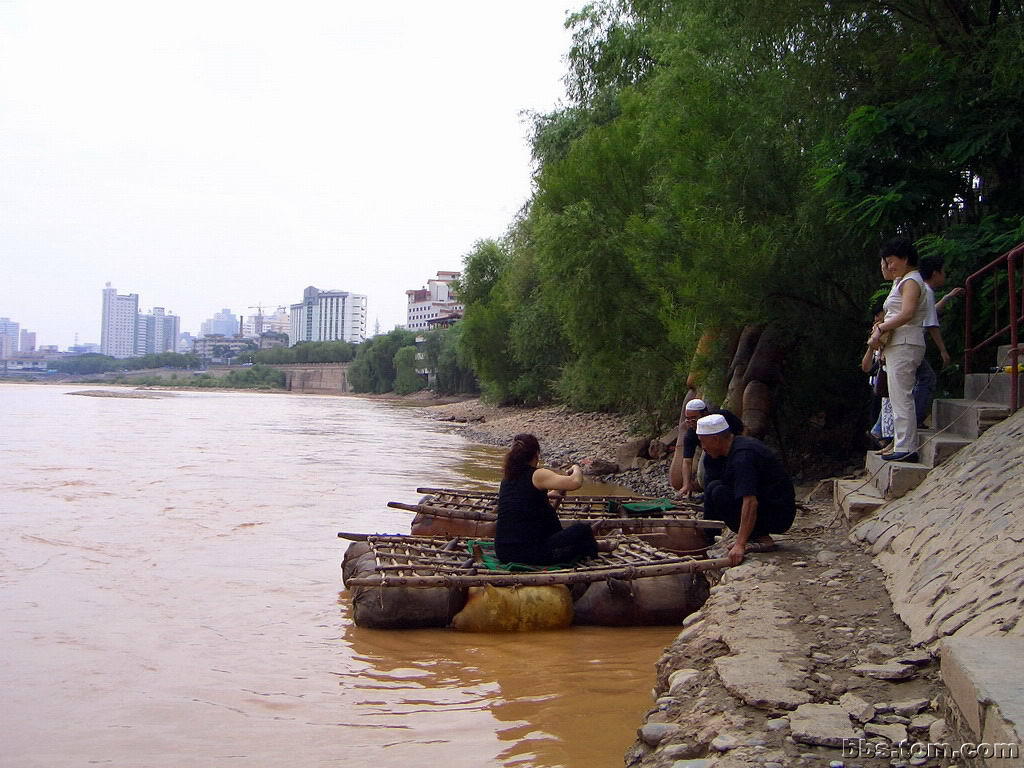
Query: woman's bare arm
<point>867,362</point>
<point>546,480</point>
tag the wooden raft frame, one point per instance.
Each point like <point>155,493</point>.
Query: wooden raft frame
<point>422,561</point>
<point>482,506</point>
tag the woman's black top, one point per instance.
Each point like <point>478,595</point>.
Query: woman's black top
<point>525,517</point>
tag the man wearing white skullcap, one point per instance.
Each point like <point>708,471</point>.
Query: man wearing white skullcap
<point>753,495</point>
<point>680,472</point>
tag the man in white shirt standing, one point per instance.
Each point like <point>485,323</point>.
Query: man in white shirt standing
<point>931,269</point>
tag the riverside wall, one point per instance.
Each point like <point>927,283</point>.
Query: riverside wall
<point>951,548</point>
<point>316,378</point>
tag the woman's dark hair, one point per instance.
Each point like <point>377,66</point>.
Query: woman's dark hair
<point>930,265</point>
<point>525,448</point>
<point>901,248</point>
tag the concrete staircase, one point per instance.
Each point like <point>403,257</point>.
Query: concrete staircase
<point>956,423</point>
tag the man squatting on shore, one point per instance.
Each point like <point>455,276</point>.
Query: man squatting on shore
<point>752,495</point>
<point>681,474</point>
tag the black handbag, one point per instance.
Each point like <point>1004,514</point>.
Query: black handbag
<point>879,380</point>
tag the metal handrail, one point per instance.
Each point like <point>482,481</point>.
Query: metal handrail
<point>1016,316</point>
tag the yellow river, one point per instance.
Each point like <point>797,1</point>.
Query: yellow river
<point>170,596</point>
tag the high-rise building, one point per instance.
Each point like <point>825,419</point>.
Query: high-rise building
<point>224,323</point>
<point>8,337</point>
<point>255,326</point>
<point>328,316</point>
<point>279,322</point>
<point>28,341</point>
<point>435,302</point>
<point>156,332</point>
<point>117,332</point>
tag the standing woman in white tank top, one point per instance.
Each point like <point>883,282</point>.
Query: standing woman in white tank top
<point>905,310</point>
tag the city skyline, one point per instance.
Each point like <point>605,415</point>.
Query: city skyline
<point>250,156</point>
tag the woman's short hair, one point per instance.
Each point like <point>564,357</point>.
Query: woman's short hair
<point>930,265</point>
<point>525,447</point>
<point>901,248</point>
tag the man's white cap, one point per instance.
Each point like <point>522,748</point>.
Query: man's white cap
<point>696,405</point>
<point>712,425</point>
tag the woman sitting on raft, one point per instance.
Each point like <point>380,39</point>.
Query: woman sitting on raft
<point>528,529</point>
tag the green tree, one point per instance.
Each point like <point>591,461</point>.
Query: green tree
<point>406,378</point>
<point>373,368</point>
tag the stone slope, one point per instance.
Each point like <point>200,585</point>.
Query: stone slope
<point>951,548</point>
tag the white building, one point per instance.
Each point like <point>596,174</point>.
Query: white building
<point>156,332</point>
<point>435,301</point>
<point>328,316</point>
<point>118,328</point>
<point>8,337</point>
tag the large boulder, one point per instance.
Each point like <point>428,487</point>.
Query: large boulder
<point>633,449</point>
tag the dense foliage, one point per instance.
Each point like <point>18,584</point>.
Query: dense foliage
<point>250,377</point>
<point>399,361</point>
<point>308,352</point>
<point>94,363</point>
<point>728,162</point>
<point>373,369</point>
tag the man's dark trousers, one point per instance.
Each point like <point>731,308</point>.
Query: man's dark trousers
<point>720,503</point>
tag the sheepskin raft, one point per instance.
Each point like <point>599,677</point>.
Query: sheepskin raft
<point>670,525</point>
<point>403,582</point>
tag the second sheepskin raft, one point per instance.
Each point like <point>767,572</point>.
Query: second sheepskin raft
<point>668,524</point>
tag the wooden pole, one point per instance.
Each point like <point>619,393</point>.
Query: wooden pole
<point>541,578</point>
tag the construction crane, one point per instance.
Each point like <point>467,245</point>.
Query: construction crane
<point>259,318</point>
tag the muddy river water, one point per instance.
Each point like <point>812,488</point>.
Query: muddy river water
<point>170,596</point>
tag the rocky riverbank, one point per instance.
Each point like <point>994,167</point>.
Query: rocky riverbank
<point>795,651</point>
<point>593,440</point>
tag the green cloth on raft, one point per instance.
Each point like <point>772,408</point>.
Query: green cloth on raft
<point>653,508</point>
<point>492,563</point>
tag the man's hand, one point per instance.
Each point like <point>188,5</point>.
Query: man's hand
<point>736,553</point>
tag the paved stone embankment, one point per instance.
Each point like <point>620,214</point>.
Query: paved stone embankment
<point>951,548</point>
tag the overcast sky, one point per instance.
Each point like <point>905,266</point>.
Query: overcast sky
<point>226,154</point>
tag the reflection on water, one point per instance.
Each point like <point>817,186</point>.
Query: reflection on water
<point>169,593</point>
<point>554,696</point>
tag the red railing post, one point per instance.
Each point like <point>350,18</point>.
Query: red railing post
<point>1016,317</point>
